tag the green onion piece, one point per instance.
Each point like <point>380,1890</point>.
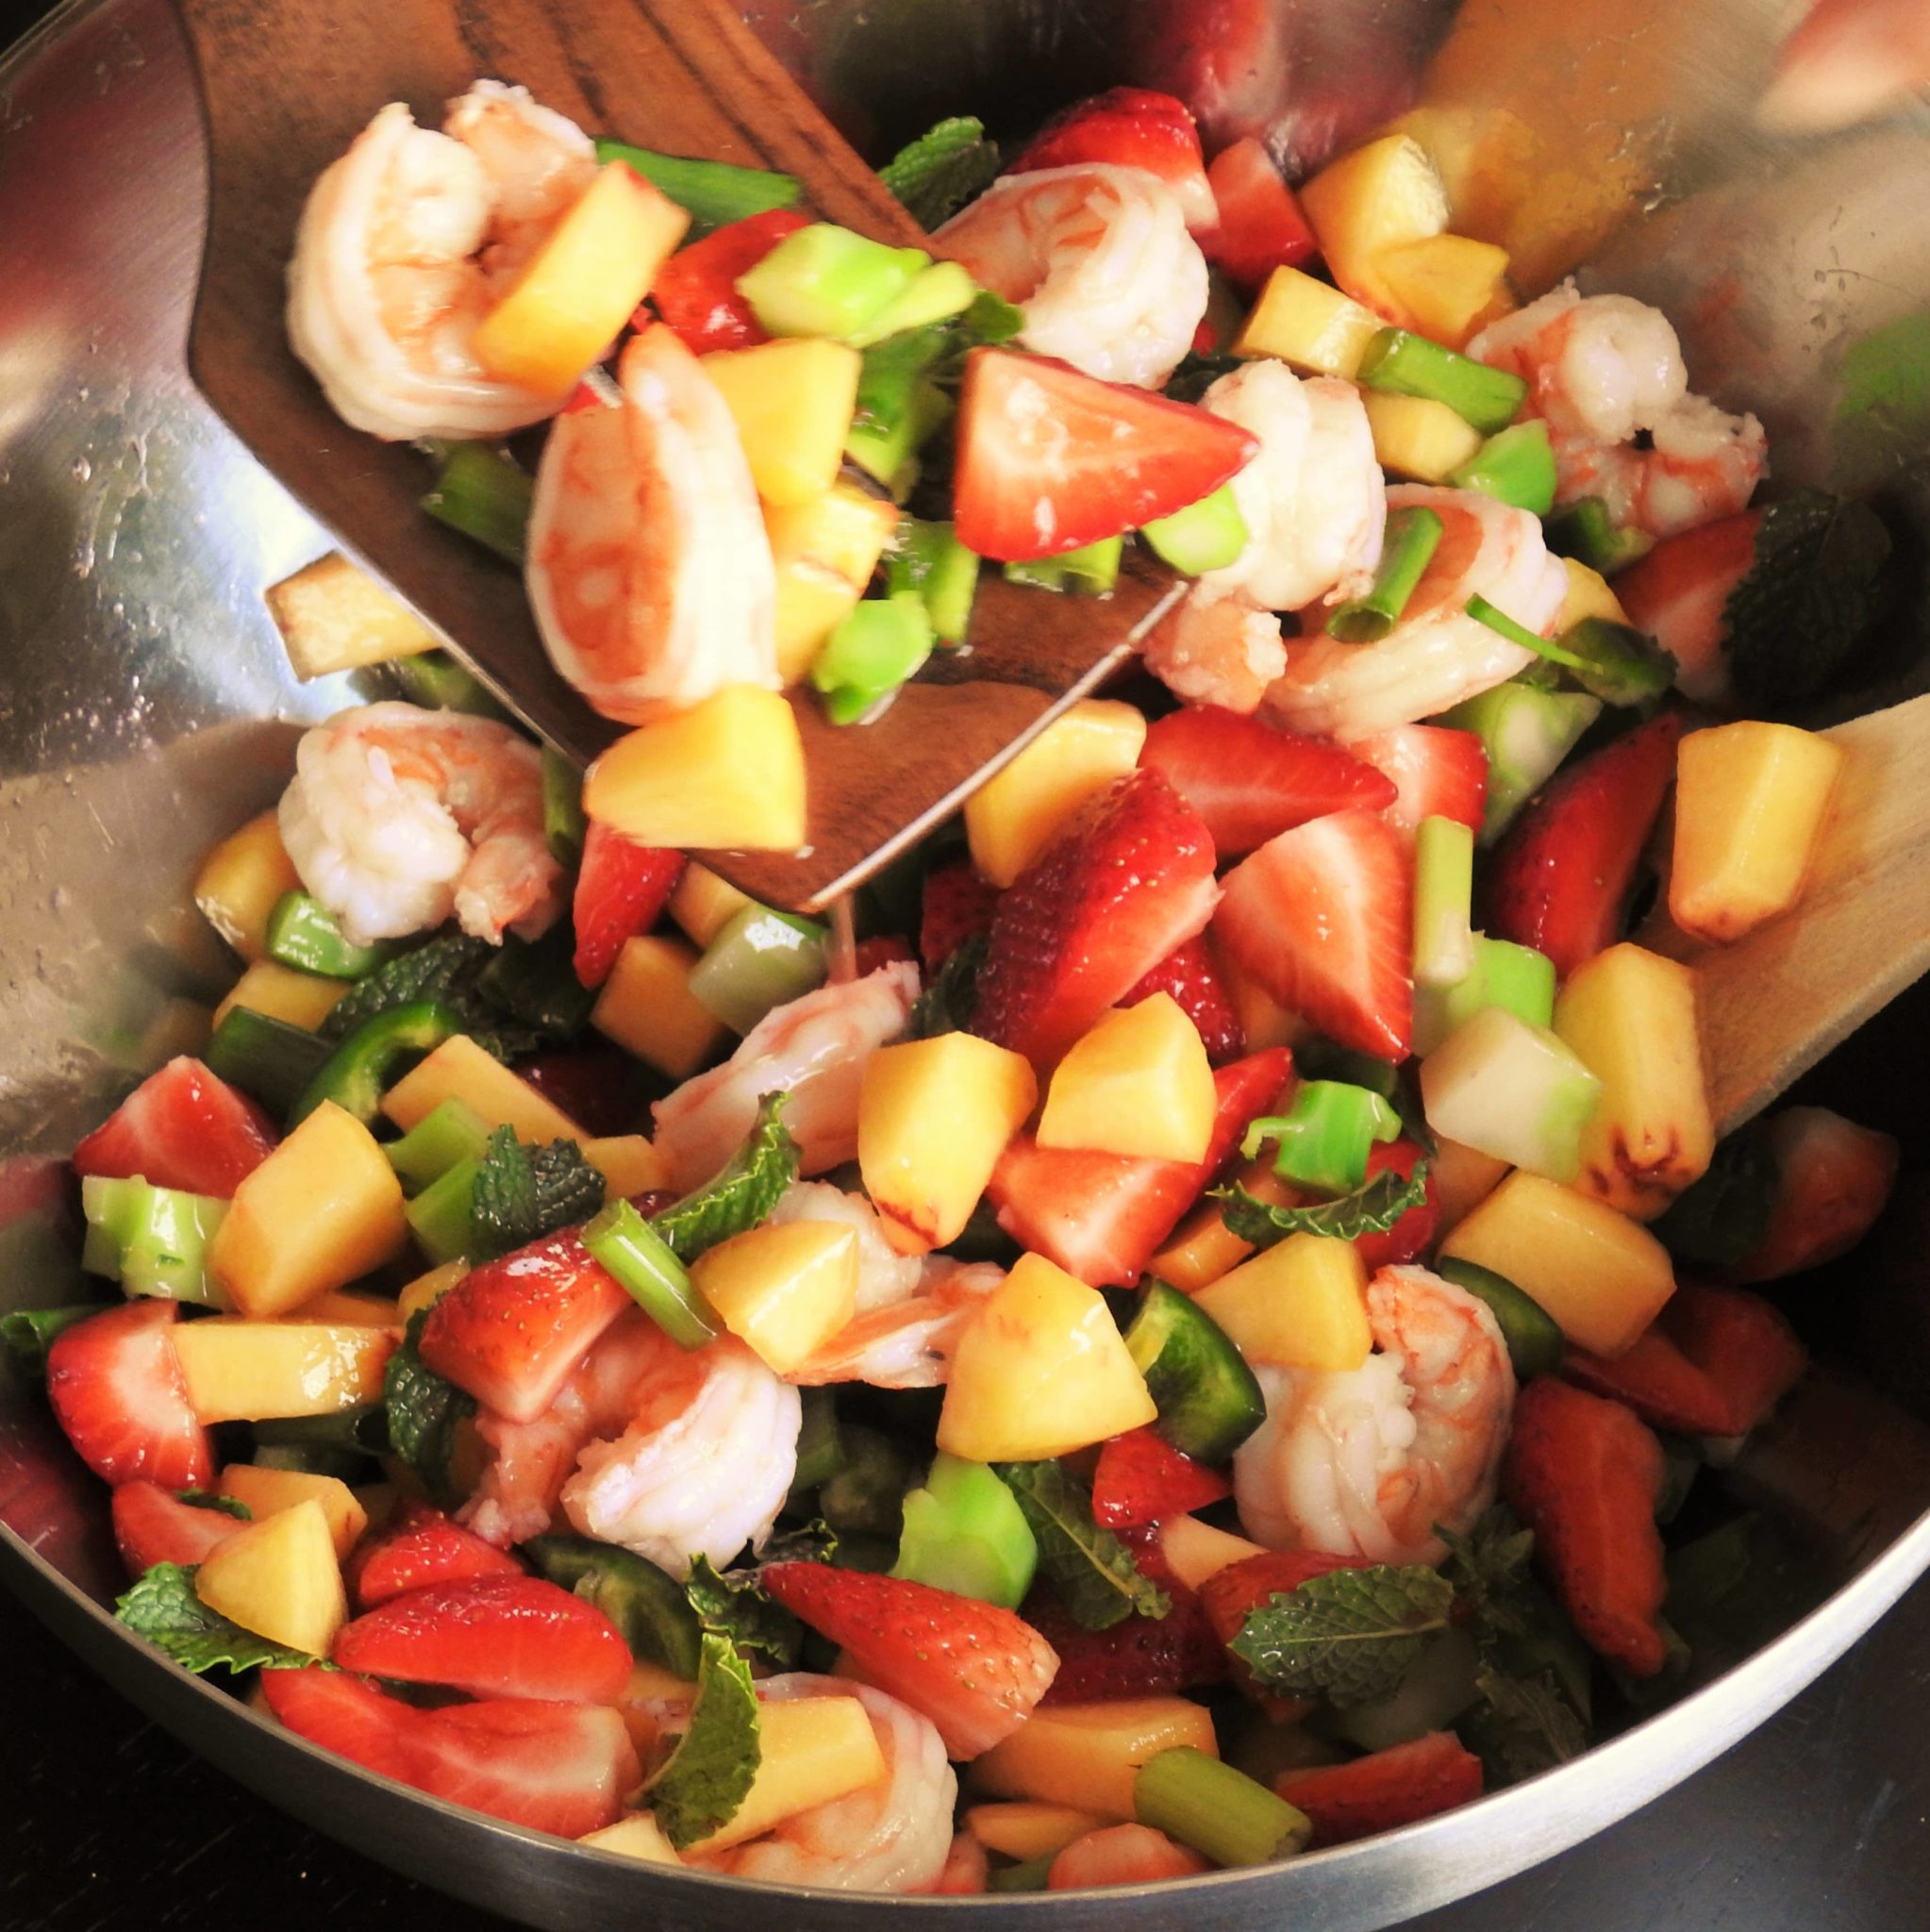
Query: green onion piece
<point>303,933</point>
<point>1527,732</point>
<point>1324,1137</point>
<point>758,959</point>
<point>1534,1341</point>
<point>1586,532</point>
<point>1413,536</point>
<point>1221,1812</point>
<point>885,444</point>
<point>480,491</point>
<point>359,1071</point>
<point>820,1446</point>
<point>1444,902</point>
<point>1030,1875</point>
<point>1089,572</point>
<point>1498,621</point>
<point>873,651</point>
<point>937,293</point>
<point>1618,663</point>
<point>927,561</point>
<point>823,280</point>
<point>447,1134</point>
<point>965,1532</point>
<point>1206,535</point>
<point>1405,364</point>
<point>1515,466</point>
<point>437,682</point>
<point>265,1056</point>
<point>441,1217</point>
<point>651,1274</point>
<point>713,193</point>
<point>1504,975</point>
<point>564,827</point>
<point>152,1241</point>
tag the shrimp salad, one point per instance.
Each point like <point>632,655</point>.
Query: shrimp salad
<point>1167,1331</point>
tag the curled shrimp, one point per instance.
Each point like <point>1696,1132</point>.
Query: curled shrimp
<point>1213,647</point>
<point>408,240</point>
<point>1100,260</point>
<point>907,1343</point>
<point>671,1452</point>
<point>1606,373</point>
<point>1368,1461</point>
<point>398,816</point>
<point>885,1277</point>
<point>1437,654</point>
<point>893,1836</point>
<point>814,1049</point>
<point>649,569</point>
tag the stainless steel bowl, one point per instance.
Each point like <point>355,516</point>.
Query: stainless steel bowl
<point>145,705</point>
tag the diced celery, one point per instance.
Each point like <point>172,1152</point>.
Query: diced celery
<point>713,193</point>
<point>873,651</point>
<point>1510,1091</point>
<point>758,959</point>
<point>1586,531</point>
<point>1514,466</point>
<point>824,280</point>
<point>651,1274</point>
<point>266,1057</point>
<point>563,823</point>
<point>937,293</point>
<point>441,1216</point>
<point>1221,1812</point>
<point>1413,535</point>
<point>1324,1137</point>
<point>965,1532</point>
<point>928,558</point>
<point>152,1241</point>
<point>1517,978</point>
<point>1090,572</point>
<point>1406,364</point>
<point>1527,732</point>
<point>303,933</point>
<point>1206,535</point>
<point>447,1134</point>
<point>1444,902</point>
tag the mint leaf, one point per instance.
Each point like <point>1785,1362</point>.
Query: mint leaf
<point>1616,662</point>
<point>699,1789</point>
<point>948,1004</point>
<point>1488,1566</point>
<point>29,1333</point>
<point>752,1183</point>
<point>944,168</point>
<point>452,972</point>
<point>1369,1210</point>
<point>1724,1215</point>
<point>1197,372</point>
<point>524,1193</point>
<point>731,1603</point>
<point>163,1607</point>
<point>211,1499</point>
<point>1091,1570</point>
<point>1522,1726</point>
<point>1349,1636</point>
<point>423,1413</point>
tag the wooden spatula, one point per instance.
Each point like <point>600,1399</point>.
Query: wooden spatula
<point>288,87</point>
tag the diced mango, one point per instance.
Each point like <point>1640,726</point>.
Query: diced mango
<point>246,1371</point>
<point>811,604</point>
<point>643,1703</point>
<point>582,284</point>
<point>629,1164</point>
<point>1088,1754</point>
<point>1446,285</point>
<point>647,1008</point>
<point>1376,198</point>
<point>932,1118</point>
<point>461,1070</point>
<point>728,773</point>
<point>1263,1020</point>
<point>1039,1370</point>
<point>1587,595</point>
<point>426,1291</point>
<point>268,1492</point>
<point>1018,812</point>
<point>704,903</point>
<point>334,616</point>
<point>322,1209</point>
<point>1750,801</point>
<point>1629,1016</point>
<point>826,550</point>
<point>1309,324</point>
<point>347,1310</point>
<point>1024,1828</point>
<point>1462,1178</point>
<point>1205,1247</point>
<point>1138,1084</point>
<point>784,1289</point>
<point>280,1579</point>
<point>636,1835</point>
<point>814,1749</point>
<point>1195,1551</point>
<point>1301,1304</point>
<point>280,993</point>
<point>792,401</point>
<point>1418,437</point>
<point>1603,1277</point>
<point>241,879</point>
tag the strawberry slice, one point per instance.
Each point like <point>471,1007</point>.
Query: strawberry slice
<point>181,1127</point>
<point>1050,460</point>
<point>1141,1477</point>
<point>503,1636</point>
<point>620,888</point>
<point>1322,917</point>
<point>1679,591</point>
<point>1413,1234</point>
<point>1128,881</point>
<point>154,1526</point>
<point>1122,1854</point>
<point>117,1389</point>
<point>1129,128</point>
<point>1102,1216</point>
<point>1191,976</point>
<point>1250,781</point>
<point>974,1669</point>
<point>561,1768</point>
<point>1398,1786</point>
<point>1833,1179</point>
<point>956,903</point>
<point>1436,772</point>
<point>511,1331</point>
<point>420,1548</point>
<point>1229,1596</point>
<point>1584,1475</point>
<point>1562,874</point>
<point>1262,228</point>
<point>1142,1657</point>
<point>695,290</point>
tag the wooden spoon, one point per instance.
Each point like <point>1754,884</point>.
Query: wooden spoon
<point>286,90</point>
<point>1772,1003</point>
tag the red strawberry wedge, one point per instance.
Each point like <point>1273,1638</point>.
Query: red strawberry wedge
<point>1142,1657</point>
<point>561,1768</point>
<point>1111,897</point>
<point>420,1548</point>
<point>1050,460</point>
<point>154,1526</point>
<point>974,1669</point>
<point>956,903</point>
<point>511,1331</point>
<point>1129,128</point>
<point>1437,772</point>
<point>620,888</point>
<point>1561,876</point>
<point>1413,1234</point>
<point>1249,780</point>
<point>1399,1785</point>
<point>1262,228</point>
<point>695,290</point>
<point>117,1389</point>
<point>493,1637</point>
<point>1141,1477</point>
<point>181,1127</point>
<point>1323,918</point>
<point>1833,1179</point>
<point>1679,593</point>
<point>1102,1216</point>
<point>1191,976</point>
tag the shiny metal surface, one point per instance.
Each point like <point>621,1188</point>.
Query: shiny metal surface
<point>145,705</point>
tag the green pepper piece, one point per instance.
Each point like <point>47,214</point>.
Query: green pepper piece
<point>646,1604</point>
<point>303,933</point>
<point>359,1071</point>
<point>564,827</point>
<point>866,1497</point>
<point>1534,1341</point>
<point>1209,1399</point>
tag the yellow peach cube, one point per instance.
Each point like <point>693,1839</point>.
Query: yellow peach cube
<point>825,549</point>
<point>1139,1084</point>
<point>1446,287</point>
<point>280,1579</point>
<point>266,1493</point>
<point>1301,1304</point>
<point>812,1750</point>
<point>647,1008</point>
<point>334,616</point>
<point>1087,1755</point>
<point>238,1369</point>
<point>1587,595</point>
<point>1417,436</point>
<point>1378,197</point>
<point>792,401</point>
<point>1309,324</point>
<point>461,1070</point>
<point>279,992</point>
<point>240,881</point>
<point>629,1164</point>
<point>1195,1551</point>
<point>784,1289</point>
<point>1024,1828</point>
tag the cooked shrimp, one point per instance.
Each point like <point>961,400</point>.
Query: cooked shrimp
<point>814,1049</point>
<point>671,1452</point>
<point>907,1343</point>
<point>649,569</point>
<point>1368,1461</point>
<point>1313,499</point>
<point>408,240</point>
<point>1213,647</point>
<point>397,816</point>
<point>1100,260</point>
<point>1702,463</point>
<point>893,1836</point>
<point>1437,654</point>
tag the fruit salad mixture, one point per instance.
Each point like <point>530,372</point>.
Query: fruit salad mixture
<point>1170,1331</point>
